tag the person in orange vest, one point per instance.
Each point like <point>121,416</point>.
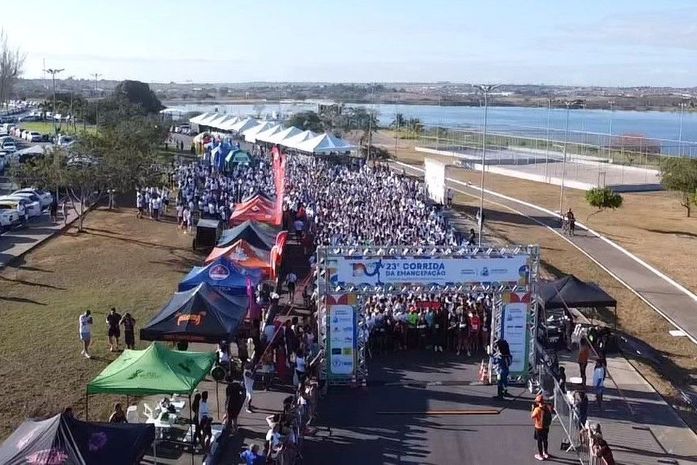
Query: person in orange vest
<point>542,420</point>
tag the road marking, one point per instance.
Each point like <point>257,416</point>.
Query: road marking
<point>443,412</point>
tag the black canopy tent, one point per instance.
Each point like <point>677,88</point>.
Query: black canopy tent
<point>257,234</point>
<point>201,314</point>
<point>570,292</point>
<point>63,439</point>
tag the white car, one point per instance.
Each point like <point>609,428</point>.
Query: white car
<point>9,146</point>
<point>32,207</point>
<point>45,198</point>
<point>23,133</point>
<point>17,205</point>
<point>9,217</point>
<point>34,137</point>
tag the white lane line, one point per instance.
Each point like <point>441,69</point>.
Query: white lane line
<point>553,230</point>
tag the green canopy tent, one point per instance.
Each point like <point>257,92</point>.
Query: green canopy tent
<point>238,157</point>
<point>155,370</point>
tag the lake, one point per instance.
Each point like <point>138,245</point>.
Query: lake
<point>658,125</point>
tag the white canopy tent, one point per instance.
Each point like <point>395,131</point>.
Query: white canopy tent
<point>296,140</point>
<point>209,119</point>
<point>250,135</point>
<point>264,135</point>
<point>199,118</point>
<point>325,143</point>
<point>227,125</point>
<point>280,136</point>
<point>244,124</point>
<point>215,122</point>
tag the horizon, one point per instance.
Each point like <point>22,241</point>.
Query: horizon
<point>603,44</point>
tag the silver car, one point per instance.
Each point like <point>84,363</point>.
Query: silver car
<point>32,207</point>
<point>45,198</point>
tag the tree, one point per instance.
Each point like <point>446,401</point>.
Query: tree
<point>11,65</point>
<point>120,157</point>
<point>306,120</point>
<point>399,121</point>
<point>138,93</point>
<point>603,198</point>
<point>680,175</point>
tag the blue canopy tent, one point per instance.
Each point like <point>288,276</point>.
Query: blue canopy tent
<point>224,275</point>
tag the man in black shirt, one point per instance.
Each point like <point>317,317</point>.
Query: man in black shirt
<point>112,322</point>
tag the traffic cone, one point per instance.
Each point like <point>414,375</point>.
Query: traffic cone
<point>484,373</point>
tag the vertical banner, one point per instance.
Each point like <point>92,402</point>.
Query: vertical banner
<point>434,178</point>
<point>514,329</point>
<point>341,336</point>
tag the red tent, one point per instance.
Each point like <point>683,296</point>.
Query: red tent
<point>256,209</point>
<point>245,255</point>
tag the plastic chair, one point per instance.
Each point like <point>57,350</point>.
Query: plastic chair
<point>150,412</point>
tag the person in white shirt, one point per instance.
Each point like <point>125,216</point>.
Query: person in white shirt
<point>85,328</point>
<point>291,279</point>
<point>300,368</point>
<point>248,388</point>
<point>205,419</point>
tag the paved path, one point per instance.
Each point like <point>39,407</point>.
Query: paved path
<point>675,303</point>
<point>17,242</point>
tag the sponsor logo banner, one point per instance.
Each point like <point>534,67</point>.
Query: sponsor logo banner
<point>515,329</point>
<point>342,339</point>
<point>388,270</point>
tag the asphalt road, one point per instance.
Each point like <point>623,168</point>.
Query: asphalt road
<point>388,422</point>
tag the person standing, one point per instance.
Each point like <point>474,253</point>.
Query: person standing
<point>85,328</point>
<point>583,355</point>
<point>204,420</point>
<point>117,416</point>
<point>113,320</point>
<point>602,450</point>
<point>291,279</point>
<point>54,209</point>
<point>248,376</point>
<point>252,456</point>
<point>542,418</point>
<point>503,362</point>
<point>129,324</point>
<point>234,399</point>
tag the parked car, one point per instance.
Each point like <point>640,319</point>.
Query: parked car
<point>45,198</point>
<point>17,205</point>
<point>9,218</point>
<point>35,137</point>
<point>23,134</point>
<point>9,146</point>
<point>31,207</point>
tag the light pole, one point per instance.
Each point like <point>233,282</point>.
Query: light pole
<point>53,72</point>
<point>549,114</point>
<point>96,100</point>
<point>563,163</point>
<point>609,142</point>
<point>485,89</point>
<point>682,113</point>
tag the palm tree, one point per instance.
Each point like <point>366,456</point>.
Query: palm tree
<point>398,121</point>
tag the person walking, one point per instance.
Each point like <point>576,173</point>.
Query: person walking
<point>542,419</point>
<point>291,280</point>
<point>85,328</point>
<point>582,359</point>
<point>195,407</point>
<point>113,320</point>
<point>129,324</point>
<point>205,420</point>
<point>599,373</point>
<point>54,209</point>
<point>248,376</point>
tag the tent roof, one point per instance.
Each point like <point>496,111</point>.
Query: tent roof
<point>209,118</point>
<point>201,314</point>
<point>238,156</point>
<point>264,135</point>
<point>244,124</point>
<point>280,136</point>
<point>227,125</point>
<point>325,143</point>
<point>298,139</point>
<point>260,235</point>
<point>155,370</point>
<point>221,274</point>
<point>73,442</point>
<point>222,121</point>
<point>258,208</point>
<point>213,122</point>
<point>245,255</point>
<point>571,292</point>
<point>199,118</point>
<point>250,135</point>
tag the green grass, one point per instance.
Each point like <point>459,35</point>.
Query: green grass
<point>46,127</point>
<point>133,265</point>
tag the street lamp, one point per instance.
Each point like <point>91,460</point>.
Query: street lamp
<point>569,104</point>
<point>682,105</point>
<point>96,101</point>
<point>485,89</point>
<point>609,142</point>
<point>549,114</point>
<point>53,72</point>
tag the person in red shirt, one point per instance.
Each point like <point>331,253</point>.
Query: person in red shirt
<point>475,327</point>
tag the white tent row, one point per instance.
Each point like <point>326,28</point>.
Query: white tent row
<point>325,144</point>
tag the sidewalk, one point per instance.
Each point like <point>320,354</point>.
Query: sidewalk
<point>17,242</point>
<point>637,423</point>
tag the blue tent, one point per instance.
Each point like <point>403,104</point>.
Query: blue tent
<point>224,275</point>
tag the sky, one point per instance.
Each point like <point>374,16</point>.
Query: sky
<point>589,42</point>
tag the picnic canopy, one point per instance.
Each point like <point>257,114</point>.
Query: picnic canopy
<point>293,142</point>
<point>280,136</point>
<point>250,135</point>
<point>65,440</point>
<point>257,234</point>
<point>264,136</point>
<point>257,209</point>
<point>324,144</point>
<point>571,292</point>
<point>224,275</point>
<point>201,314</point>
<point>155,370</point>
